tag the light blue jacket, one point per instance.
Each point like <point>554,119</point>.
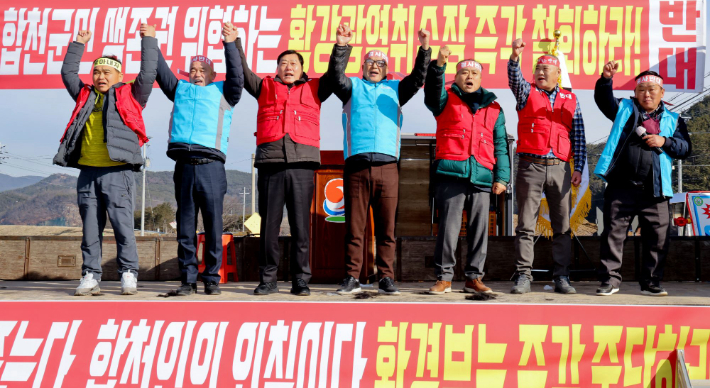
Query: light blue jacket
<point>201,115</point>
<point>669,121</point>
<point>372,118</point>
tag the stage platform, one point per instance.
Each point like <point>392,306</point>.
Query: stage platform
<point>48,337</point>
<point>679,293</point>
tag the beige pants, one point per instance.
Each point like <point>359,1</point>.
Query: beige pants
<point>531,181</point>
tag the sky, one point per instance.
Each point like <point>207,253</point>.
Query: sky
<point>33,121</point>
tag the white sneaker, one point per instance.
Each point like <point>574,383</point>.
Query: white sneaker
<point>129,284</point>
<point>88,286</point>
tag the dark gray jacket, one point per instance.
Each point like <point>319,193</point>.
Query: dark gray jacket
<point>121,141</point>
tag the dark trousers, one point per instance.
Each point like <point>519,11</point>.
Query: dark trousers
<point>279,185</point>
<point>621,205</point>
<point>453,196</point>
<point>101,191</point>
<point>199,187</point>
<point>377,186</point>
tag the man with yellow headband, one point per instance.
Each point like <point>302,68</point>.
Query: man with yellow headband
<point>550,134</point>
<point>636,164</point>
<point>472,162</point>
<point>103,140</point>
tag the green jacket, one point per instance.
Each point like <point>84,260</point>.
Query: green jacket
<point>435,99</point>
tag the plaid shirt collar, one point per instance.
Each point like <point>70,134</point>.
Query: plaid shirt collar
<point>655,115</point>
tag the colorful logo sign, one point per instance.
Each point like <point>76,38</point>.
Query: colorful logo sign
<point>334,203</point>
<point>699,209</point>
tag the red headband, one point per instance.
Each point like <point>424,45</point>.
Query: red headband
<point>473,64</point>
<point>376,53</point>
<point>201,58</point>
<point>548,60</point>
<point>650,78</point>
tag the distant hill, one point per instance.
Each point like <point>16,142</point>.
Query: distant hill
<point>8,182</point>
<point>52,200</point>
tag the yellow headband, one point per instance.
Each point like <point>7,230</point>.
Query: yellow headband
<point>108,62</point>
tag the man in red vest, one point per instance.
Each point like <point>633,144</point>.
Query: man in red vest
<point>287,154</point>
<point>471,162</point>
<point>103,140</point>
<point>550,134</point>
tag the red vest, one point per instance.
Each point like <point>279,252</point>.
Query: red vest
<point>295,111</point>
<point>128,108</point>
<point>460,134</point>
<point>541,128</point>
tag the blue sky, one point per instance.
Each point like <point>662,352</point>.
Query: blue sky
<point>32,122</point>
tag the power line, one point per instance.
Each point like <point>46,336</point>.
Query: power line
<point>25,168</point>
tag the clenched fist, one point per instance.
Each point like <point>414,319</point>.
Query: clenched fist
<point>147,30</point>
<point>229,32</point>
<point>498,188</point>
<point>424,37</point>
<point>443,58</point>
<point>610,69</point>
<point>518,47</point>
<point>344,35</point>
<point>83,36</point>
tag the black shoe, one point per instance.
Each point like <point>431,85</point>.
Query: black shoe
<point>300,288</point>
<point>653,290</point>
<point>522,285</point>
<point>186,289</point>
<point>562,286</point>
<point>212,288</point>
<point>348,286</point>
<point>607,289</point>
<point>266,288</point>
<point>387,286</point>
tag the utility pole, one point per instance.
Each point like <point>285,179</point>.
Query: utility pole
<point>253,184</point>
<point>680,176</point>
<point>244,205</point>
<point>146,162</point>
<point>2,152</point>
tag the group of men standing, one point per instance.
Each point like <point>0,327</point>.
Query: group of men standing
<point>106,130</point>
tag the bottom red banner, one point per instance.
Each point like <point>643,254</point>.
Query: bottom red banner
<point>381,345</point>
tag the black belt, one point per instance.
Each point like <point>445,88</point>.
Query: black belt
<point>196,161</point>
<point>543,161</point>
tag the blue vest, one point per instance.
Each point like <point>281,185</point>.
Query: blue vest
<point>669,121</point>
<point>372,118</point>
<point>201,115</point>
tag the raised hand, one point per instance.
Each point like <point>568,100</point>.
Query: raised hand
<point>610,69</point>
<point>83,36</point>
<point>424,37</point>
<point>443,58</point>
<point>518,47</point>
<point>147,30</point>
<point>344,35</point>
<point>229,32</point>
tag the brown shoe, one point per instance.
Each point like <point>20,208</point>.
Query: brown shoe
<point>476,285</point>
<point>441,287</point>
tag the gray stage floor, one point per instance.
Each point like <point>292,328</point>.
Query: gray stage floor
<point>680,293</point>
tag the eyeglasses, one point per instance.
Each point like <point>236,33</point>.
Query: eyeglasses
<point>380,63</point>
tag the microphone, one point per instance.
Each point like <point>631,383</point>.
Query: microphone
<point>641,131</point>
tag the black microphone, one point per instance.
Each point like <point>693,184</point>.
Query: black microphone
<point>641,131</point>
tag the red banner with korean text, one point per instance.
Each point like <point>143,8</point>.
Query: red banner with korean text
<point>286,345</point>
<point>666,36</point>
